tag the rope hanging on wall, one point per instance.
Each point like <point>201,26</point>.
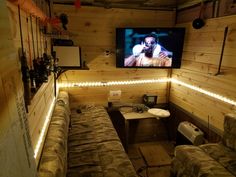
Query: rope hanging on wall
<point>199,22</point>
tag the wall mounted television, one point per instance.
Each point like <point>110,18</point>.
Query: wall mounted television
<point>149,47</point>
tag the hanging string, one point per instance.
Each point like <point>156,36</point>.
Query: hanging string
<point>44,43</point>
<point>44,28</point>
<point>201,9</point>
<point>37,45</point>
<point>40,39</point>
<point>40,31</point>
<point>32,34</point>
<point>28,39</point>
<point>21,35</point>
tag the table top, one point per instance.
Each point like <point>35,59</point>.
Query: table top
<point>160,113</point>
<point>136,115</point>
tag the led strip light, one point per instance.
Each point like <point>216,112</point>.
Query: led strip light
<point>128,82</point>
<point>132,82</point>
<point>111,83</point>
<point>43,131</point>
<point>211,94</point>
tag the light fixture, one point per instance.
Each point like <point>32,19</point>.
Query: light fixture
<point>148,81</point>
<point>111,83</point>
<point>43,131</point>
<point>206,92</point>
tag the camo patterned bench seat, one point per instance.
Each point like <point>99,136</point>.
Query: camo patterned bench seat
<point>53,161</point>
<point>82,142</point>
<point>208,160</point>
<point>94,148</point>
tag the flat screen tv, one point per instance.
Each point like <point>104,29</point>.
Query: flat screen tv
<point>149,47</point>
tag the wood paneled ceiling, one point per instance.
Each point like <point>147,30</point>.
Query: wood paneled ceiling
<point>136,4</point>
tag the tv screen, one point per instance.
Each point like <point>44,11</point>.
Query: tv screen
<point>149,47</point>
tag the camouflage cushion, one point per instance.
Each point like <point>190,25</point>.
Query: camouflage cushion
<point>54,155</point>
<point>94,148</point>
<point>222,154</point>
<point>192,161</point>
<point>186,153</point>
<point>229,137</point>
<point>213,159</point>
<point>198,169</point>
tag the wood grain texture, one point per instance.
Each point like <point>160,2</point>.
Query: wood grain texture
<point>155,155</point>
<point>201,56</point>
<point>15,143</point>
<point>38,110</point>
<point>95,33</point>
<point>179,114</point>
<point>41,101</point>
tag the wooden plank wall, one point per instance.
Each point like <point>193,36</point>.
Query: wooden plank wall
<point>227,7</point>
<point>201,56</point>
<point>16,153</point>
<point>94,31</point>
<point>41,101</point>
<point>210,9</point>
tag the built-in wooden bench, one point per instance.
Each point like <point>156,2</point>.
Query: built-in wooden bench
<point>87,146</point>
<point>53,161</point>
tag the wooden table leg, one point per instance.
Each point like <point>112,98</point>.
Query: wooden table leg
<point>126,135</point>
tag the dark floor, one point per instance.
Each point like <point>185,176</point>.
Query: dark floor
<point>140,165</point>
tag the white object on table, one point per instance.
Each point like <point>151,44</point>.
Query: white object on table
<point>160,113</point>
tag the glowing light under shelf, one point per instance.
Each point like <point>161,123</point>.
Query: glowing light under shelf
<point>44,128</point>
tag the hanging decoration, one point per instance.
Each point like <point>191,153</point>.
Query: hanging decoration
<point>199,22</point>
<point>77,4</point>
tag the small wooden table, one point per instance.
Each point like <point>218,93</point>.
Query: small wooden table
<point>133,116</point>
<point>129,114</point>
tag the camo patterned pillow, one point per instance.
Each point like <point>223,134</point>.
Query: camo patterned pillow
<point>54,155</point>
<point>229,137</point>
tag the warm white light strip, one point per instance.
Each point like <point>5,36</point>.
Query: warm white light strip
<point>110,83</point>
<point>137,82</point>
<point>43,131</point>
<point>211,94</point>
<point>130,82</point>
